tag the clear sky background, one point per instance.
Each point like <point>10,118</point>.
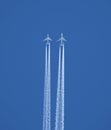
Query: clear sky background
<point>86,25</point>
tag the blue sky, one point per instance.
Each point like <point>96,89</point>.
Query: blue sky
<point>87,27</point>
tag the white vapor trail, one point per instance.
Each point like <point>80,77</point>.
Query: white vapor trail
<point>59,121</point>
<point>47,98</point>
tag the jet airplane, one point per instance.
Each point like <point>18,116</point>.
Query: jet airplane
<point>62,39</point>
<point>48,39</point>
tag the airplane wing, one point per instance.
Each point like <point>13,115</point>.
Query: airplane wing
<point>64,39</point>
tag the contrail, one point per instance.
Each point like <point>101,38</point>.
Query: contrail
<point>47,98</point>
<point>58,94</point>
<point>59,121</point>
<point>62,87</point>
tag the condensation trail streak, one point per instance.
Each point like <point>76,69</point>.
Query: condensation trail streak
<point>62,87</point>
<point>47,102</point>
<point>58,94</point>
<point>49,90</point>
<point>45,82</point>
<point>59,121</point>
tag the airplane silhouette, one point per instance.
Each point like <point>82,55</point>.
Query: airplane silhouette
<point>47,39</point>
<point>62,39</point>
